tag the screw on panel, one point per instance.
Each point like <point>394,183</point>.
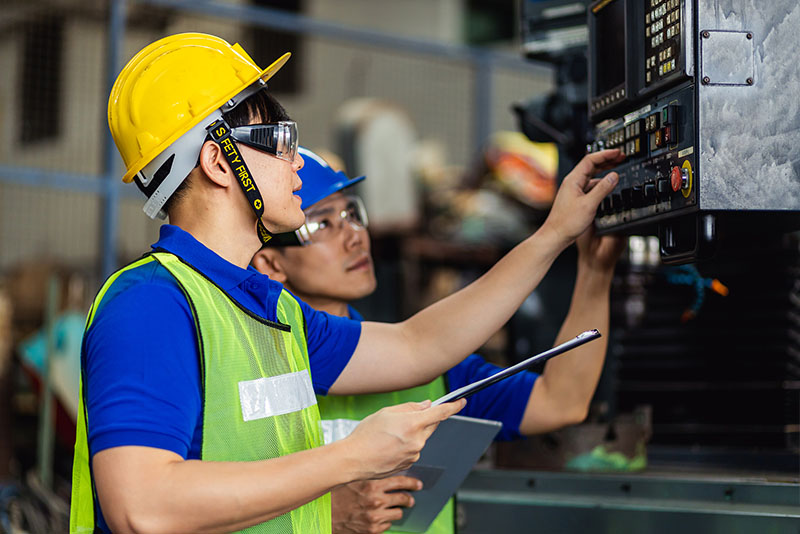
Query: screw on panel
<point>706,34</point>
<point>749,35</point>
<point>750,81</point>
<point>706,80</point>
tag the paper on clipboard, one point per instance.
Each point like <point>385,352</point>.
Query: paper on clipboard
<point>473,388</point>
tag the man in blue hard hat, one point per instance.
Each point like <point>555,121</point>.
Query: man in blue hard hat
<point>332,266</point>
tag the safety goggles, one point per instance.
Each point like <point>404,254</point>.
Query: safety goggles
<point>326,222</point>
<point>276,138</point>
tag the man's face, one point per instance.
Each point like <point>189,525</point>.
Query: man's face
<point>278,182</point>
<point>337,266</point>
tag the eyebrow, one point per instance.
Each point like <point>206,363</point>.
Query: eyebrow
<point>329,209</point>
<point>321,211</point>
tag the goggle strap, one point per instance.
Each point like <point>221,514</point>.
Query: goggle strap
<point>220,133</point>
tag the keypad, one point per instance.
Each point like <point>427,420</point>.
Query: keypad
<point>662,38</point>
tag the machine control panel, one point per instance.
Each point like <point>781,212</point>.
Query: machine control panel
<point>656,177</point>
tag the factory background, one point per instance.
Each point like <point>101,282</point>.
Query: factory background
<point>428,99</point>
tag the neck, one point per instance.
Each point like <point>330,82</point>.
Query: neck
<point>227,234</point>
<point>328,305</point>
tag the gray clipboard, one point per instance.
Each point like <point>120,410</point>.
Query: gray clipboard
<point>445,461</point>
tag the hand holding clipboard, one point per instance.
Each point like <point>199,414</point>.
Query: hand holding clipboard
<point>470,389</point>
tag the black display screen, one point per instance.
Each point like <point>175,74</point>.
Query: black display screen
<point>609,43</point>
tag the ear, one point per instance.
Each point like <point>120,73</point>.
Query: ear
<point>214,164</point>
<point>269,261</point>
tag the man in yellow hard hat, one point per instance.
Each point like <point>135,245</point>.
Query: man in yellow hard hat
<point>328,263</point>
<point>198,374</point>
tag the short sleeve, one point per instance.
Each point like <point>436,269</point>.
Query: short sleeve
<point>505,401</point>
<point>332,340</point>
<point>142,376</point>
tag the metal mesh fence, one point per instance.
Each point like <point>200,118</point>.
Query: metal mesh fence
<point>53,96</point>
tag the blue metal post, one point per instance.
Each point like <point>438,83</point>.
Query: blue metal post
<point>110,212</point>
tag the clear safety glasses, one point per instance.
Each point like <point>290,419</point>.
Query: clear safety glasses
<point>325,222</point>
<point>276,138</point>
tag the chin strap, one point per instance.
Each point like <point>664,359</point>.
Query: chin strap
<point>220,133</point>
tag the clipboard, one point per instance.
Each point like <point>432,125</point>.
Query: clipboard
<point>475,387</point>
<point>445,461</point>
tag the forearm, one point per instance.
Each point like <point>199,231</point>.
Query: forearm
<point>572,377</point>
<point>561,395</point>
<point>459,324</point>
<point>156,491</point>
<point>435,339</point>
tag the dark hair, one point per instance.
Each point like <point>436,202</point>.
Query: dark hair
<point>258,107</point>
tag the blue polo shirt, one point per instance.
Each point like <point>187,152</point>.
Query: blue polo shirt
<point>505,401</point>
<point>142,377</point>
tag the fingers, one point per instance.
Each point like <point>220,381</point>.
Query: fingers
<point>410,406</point>
<point>398,483</point>
<point>593,182</point>
<point>594,162</point>
<point>443,411</point>
<point>603,187</point>
<point>399,498</point>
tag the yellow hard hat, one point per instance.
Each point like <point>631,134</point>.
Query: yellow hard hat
<point>170,86</point>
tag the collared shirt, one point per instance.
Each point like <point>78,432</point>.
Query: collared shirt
<point>141,355</point>
<point>505,401</point>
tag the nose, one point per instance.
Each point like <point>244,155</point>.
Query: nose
<point>353,234</point>
<point>298,163</point>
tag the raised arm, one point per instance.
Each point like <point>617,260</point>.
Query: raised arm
<point>561,396</point>
<point>396,356</point>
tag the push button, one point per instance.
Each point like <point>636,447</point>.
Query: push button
<point>667,135</point>
<point>678,178</point>
<point>607,205</point>
<point>637,196</point>
<point>668,115</point>
<point>649,193</point>
<point>616,202</point>
<point>663,188</point>
<point>626,198</point>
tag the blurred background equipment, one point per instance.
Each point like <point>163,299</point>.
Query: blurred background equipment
<point>554,31</point>
<point>377,139</point>
<point>523,169</point>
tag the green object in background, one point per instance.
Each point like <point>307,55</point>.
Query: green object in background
<point>600,459</point>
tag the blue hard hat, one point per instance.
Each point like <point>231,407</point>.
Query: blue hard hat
<point>319,179</point>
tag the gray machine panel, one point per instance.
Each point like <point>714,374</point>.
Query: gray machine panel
<point>749,135</point>
<point>644,503</point>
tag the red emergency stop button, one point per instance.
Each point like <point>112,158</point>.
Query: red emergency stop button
<point>676,179</point>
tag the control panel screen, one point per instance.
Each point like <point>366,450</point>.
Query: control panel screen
<point>610,28</point>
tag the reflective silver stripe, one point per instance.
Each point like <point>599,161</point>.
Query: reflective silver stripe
<point>336,429</point>
<point>277,395</point>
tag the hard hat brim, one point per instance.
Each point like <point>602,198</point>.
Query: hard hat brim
<point>332,189</point>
